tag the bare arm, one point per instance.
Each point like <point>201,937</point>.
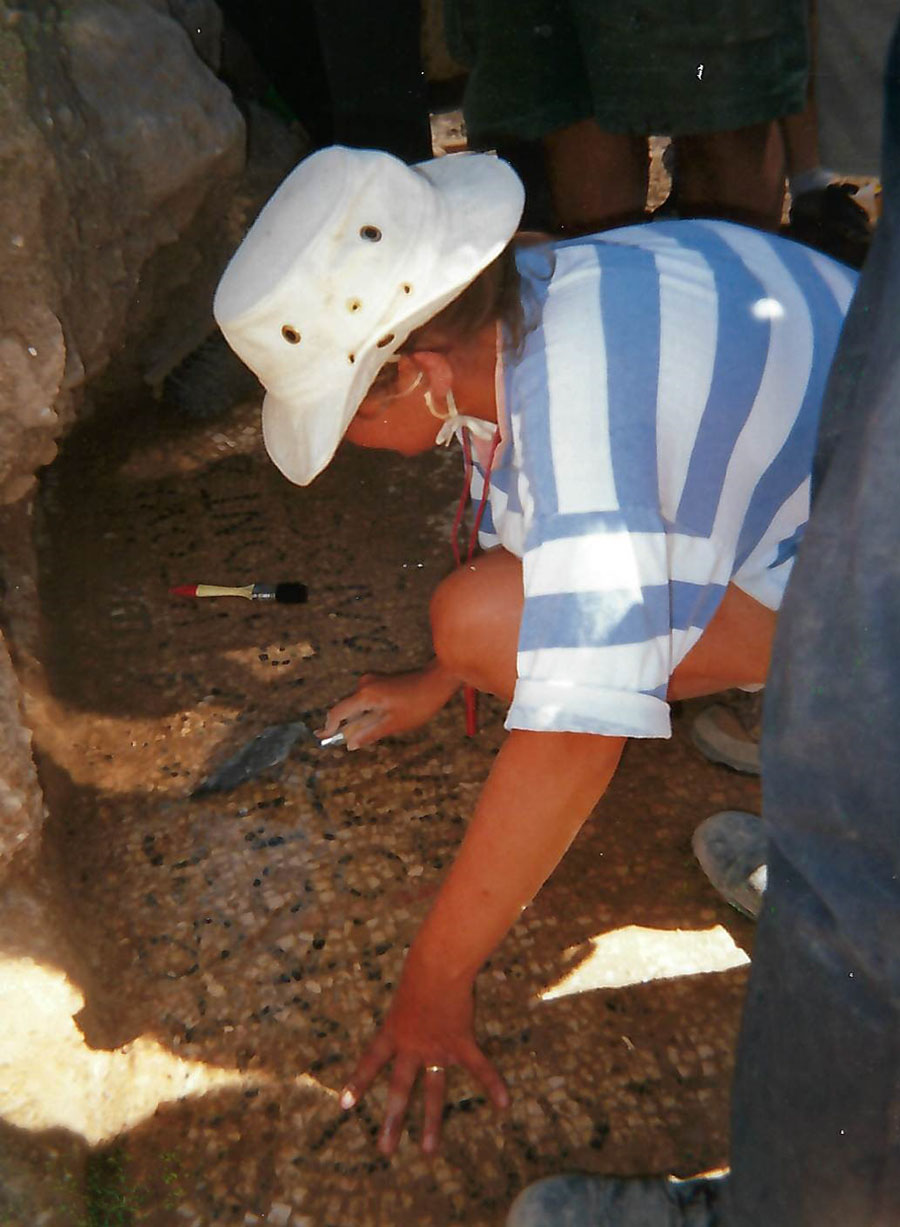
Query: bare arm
<point>541,789</point>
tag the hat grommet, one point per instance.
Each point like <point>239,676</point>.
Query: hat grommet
<point>291,334</point>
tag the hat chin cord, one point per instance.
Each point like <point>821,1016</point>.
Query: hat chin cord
<point>454,422</point>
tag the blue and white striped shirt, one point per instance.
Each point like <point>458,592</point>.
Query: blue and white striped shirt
<point>660,422</point>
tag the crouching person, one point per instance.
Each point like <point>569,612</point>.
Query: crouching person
<point>636,412</point>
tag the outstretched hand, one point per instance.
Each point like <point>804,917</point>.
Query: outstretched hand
<point>428,1029</point>
<point>383,704</point>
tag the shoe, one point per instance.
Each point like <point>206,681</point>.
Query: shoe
<point>732,847</point>
<point>582,1200</point>
<point>831,220</point>
<point>721,737</point>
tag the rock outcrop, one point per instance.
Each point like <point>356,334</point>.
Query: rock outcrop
<point>126,181</point>
<point>119,152</point>
<point>124,186</point>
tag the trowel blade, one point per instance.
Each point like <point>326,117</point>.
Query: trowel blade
<point>266,750</point>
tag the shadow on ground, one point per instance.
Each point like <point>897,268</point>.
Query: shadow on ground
<point>258,933</point>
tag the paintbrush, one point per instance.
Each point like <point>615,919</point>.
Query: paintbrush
<point>287,594</point>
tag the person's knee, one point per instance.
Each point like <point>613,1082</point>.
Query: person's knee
<point>475,615</point>
<point>453,623</point>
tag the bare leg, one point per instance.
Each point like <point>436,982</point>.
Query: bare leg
<point>476,611</point>
<point>734,650</point>
<point>597,179</point>
<point>800,133</point>
<point>738,175</point>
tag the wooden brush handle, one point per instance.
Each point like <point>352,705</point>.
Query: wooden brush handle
<point>217,590</point>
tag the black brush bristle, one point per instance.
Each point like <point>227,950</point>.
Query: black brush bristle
<point>290,594</point>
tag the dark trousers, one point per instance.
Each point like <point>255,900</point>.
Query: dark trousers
<point>816,1105</point>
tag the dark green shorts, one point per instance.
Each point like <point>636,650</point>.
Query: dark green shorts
<point>661,67</point>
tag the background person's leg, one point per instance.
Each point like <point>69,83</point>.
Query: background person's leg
<point>816,1108</point>
<point>814,1138</point>
<point>738,175</point>
<point>597,179</point>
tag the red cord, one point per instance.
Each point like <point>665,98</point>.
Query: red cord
<point>463,499</point>
<point>470,696</point>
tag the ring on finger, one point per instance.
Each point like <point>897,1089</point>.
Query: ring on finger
<point>434,1069</point>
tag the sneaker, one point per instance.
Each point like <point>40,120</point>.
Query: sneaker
<point>720,735</point>
<point>582,1200</point>
<point>732,847</point>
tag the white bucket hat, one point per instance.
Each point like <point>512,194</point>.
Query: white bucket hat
<point>353,252</point>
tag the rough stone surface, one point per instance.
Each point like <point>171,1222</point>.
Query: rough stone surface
<point>202,19</point>
<point>119,150</point>
<point>21,797</point>
<point>126,180</point>
<point>21,805</point>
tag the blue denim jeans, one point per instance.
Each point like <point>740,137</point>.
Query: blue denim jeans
<point>816,1105</point>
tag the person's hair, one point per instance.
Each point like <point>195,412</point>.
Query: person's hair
<point>496,295</point>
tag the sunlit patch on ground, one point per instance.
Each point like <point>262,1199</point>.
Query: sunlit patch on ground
<point>50,1078</point>
<point>635,955</point>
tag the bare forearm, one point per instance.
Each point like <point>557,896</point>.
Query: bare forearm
<point>541,789</point>
<point>441,681</point>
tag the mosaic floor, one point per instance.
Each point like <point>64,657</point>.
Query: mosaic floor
<point>251,938</point>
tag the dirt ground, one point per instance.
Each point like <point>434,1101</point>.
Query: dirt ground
<point>259,932</point>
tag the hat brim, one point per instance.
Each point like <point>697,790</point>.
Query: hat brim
<point>481,200</point>
<point>302,444</point>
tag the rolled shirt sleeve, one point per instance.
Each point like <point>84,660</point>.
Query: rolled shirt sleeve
<point>594,649</point>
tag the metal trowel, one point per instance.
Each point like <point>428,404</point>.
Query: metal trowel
<point>262,753</point>
<point>266,750</point>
